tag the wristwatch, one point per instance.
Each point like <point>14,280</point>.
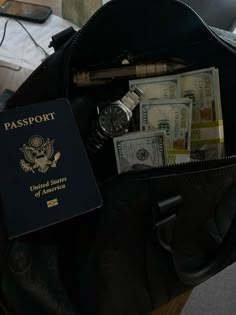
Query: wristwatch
<point>114,119</point>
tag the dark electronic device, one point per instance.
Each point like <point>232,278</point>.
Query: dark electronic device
<point>25,11</point>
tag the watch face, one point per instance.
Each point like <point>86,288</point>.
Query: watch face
<point>114,120</point>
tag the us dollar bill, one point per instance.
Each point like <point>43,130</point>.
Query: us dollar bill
<point>203,87</point>
<point>158,87</point>
<point>140,150</point>
<point>174,117</point>
<point>207,141</point>
<point>155,88</point>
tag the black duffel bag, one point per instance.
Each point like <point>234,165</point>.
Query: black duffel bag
<point>160,231</point>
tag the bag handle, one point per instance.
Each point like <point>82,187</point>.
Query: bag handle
<point>225,253</point>
<point>224,256</point>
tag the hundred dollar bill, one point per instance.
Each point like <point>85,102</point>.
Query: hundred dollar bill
<point>155,88</point>
<point>174,117</point>
<point>203,87</point>
<point>207,141</point>
<point>140,150</point>
<point>217,93</point>
<point>158,87</point>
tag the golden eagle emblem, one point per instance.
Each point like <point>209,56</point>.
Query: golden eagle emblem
<point>39,155</point>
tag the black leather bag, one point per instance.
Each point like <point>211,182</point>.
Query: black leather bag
<point>160,232</point>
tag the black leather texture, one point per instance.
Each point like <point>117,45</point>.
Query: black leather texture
<point>218,13</point>
<point>112,261</point>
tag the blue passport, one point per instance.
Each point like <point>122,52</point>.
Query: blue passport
<point>45,172</point>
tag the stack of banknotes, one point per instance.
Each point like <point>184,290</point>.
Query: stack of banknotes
<point>179,119</point>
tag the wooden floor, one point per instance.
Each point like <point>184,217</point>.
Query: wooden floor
<point>174,307</point>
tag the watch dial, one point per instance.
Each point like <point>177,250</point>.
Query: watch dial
<point>114,119</point>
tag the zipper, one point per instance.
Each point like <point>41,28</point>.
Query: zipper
<point>90,21</point>
<point>74,42</point>
<point>227,45</point>
<point>172,170</point>
<point>77,37</point>
<point>67,56</point>
<point>183,168</point>
<point>165,170</point>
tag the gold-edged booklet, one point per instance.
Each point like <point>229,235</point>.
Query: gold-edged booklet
<point>45,173</point>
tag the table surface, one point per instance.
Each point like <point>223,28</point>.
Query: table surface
<point>54,4</point>
<point>13,79</point>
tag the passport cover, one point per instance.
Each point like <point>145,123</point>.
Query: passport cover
<point>45,173</point>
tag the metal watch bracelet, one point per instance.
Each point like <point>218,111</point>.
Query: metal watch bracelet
<point>96,141</point>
